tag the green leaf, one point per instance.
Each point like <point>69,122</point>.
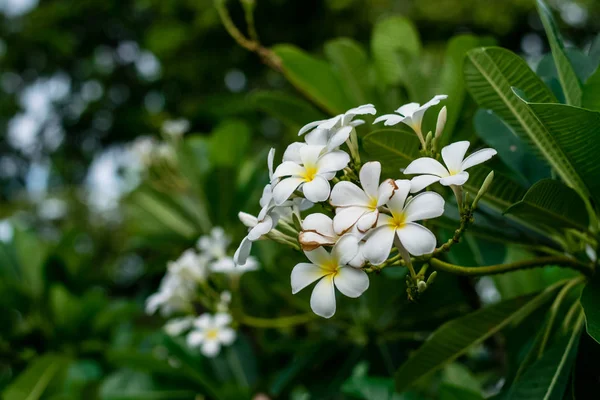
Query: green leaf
<point>394,148</point>
<point>513,152</point>
<point>229,143</point>
<point>547,378</point>
<point>591,92</point>
<point>502,193</point>
<point>454,338</point>
<point>291,110</point>
<point>32,383</point>
<point>458,46</point>
<point>452,392</point>
<point>394,41</point>
<point>131,385</point>
<point>553,204</point>
<point>351,62</point>
<point>575,132</point>
<point>566,74</point>
<point>490,74</point>
<point>590,300</point>
<point>314,78</point>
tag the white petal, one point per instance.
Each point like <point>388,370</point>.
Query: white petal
<point>417,239</point>
<point>243,251</point>
<point>407,110</point>
<point>262,228</point>
<point>270,159</point>
<point>458,179</point>
<point>367,221</point>
<point>210,348</point>
<point>288,168</point>
<point>284,189</point>
<point>316,190</point>
<point>204,321</point>
<point>318,137</point>
<point>379,244</point>
<point>304,274</point>
<point>195,338</point>
<point>339,137</point>
<point>318,256</point>
<point>320,223</point>
<point>351,282</point>
<point>309,126</point>
<point>357,122</point>
<point>292,152</point>
<point>359,259</point>
<point>333,162</point>
<point>346,193</point>
<point>331,122</point>
<point>390,119</point>
<point>420,182</point>
<point>222,319</point>
<point>346,217</point>
<point>396,203</point>
<point>226,336</point>
<point>310,154</point>
<point>247,219</point>
<point>426,165</point>
<point>345,249</point>
<point>311,240</point>
<point>362,110</point>
<point>478,157</point>
<point>385,191</point>
<point>454,154</point>
<point>322,300</point>
<point>423,206</point>
<point>177,326</point>
<point>369,177</point>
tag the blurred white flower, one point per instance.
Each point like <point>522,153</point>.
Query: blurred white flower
<point>6,231</point>
<point>227,265</point>
<point>415,238</point>
<point>331,270</point>
<point>215,244</point>
<point>176,326</point>
<point>174,295</point>
<point>360,206</point>
<point>224,301</point>
<point>311,175</point>
<point>411,114</point>
<point>210,332</point>
<point>190,266</point>
<point>176,127</point>
<point>453,174</point>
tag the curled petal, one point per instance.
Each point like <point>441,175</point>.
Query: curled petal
<point>261,228</point>
<point>351,282</point>
<point>320,223</point>
<point>390,119</point>
<point>420,182</point>
<point>458,179</point>
<point>310,240</point>
<point>478,157</point>
<point>309,126</point>
<point>243,251</point>
<point>367,221</point>
<point>396,203</point>
<point>284,189</point>
<point>385,191</point>
<point>346,217</point>
<point>339,137</point>
<point>426,165</point>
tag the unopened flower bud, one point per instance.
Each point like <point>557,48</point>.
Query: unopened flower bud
<point>431,278</point>
<point>428,139</point>
<point>421,286</point>
<point>484,188</point>
<point>441,122</point>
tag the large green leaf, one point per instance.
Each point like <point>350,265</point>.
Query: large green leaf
<point>314,78</point>
<point>566,74</point>
<point>590,300</point>
<point>547,378</point>
<point>352,65</point>
<point>32,383</point>
<point>458,46</point>
<point>454,338</point>
<point>513,151</point>
<point>291,110</point>
<point>490,74</point>
<point>394,148</point>
<point>229,143</point>
<point>575,131</point>
<point>553,204</point>
<point>394,41</point>
<point>591,92</point>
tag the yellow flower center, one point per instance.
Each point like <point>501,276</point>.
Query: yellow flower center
<point>310,171</point>
<point>398,220</point>
<point>372,203</point>
<point>332,266</point>
<point>212,333</point>
<point>453,172</point>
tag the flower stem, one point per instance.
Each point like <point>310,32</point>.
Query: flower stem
<point>566,262</point>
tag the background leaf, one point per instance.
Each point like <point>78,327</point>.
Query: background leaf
<point>590,300</point>
<point>33,383</point>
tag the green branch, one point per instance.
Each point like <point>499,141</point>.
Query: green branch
<point>566,262</point>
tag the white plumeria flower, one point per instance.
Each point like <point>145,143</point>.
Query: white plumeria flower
<point>190,266</point>
<point>317,231</point>
<point>332,270</point>
<point>174,295</point>
<point>224,301</point>
<point>312,175</point>
<point>210,332</point>
<point>215,244</point>
<point>454,173</point>
<point>227,265</point>
<point>411,114</point>
<point>333,132</point>
<point>360,207</point>
<point>177,326</point>
<point>415,238</point>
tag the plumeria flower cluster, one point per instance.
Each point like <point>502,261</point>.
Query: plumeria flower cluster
<point>188,285</point>
<point>364,219</point>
